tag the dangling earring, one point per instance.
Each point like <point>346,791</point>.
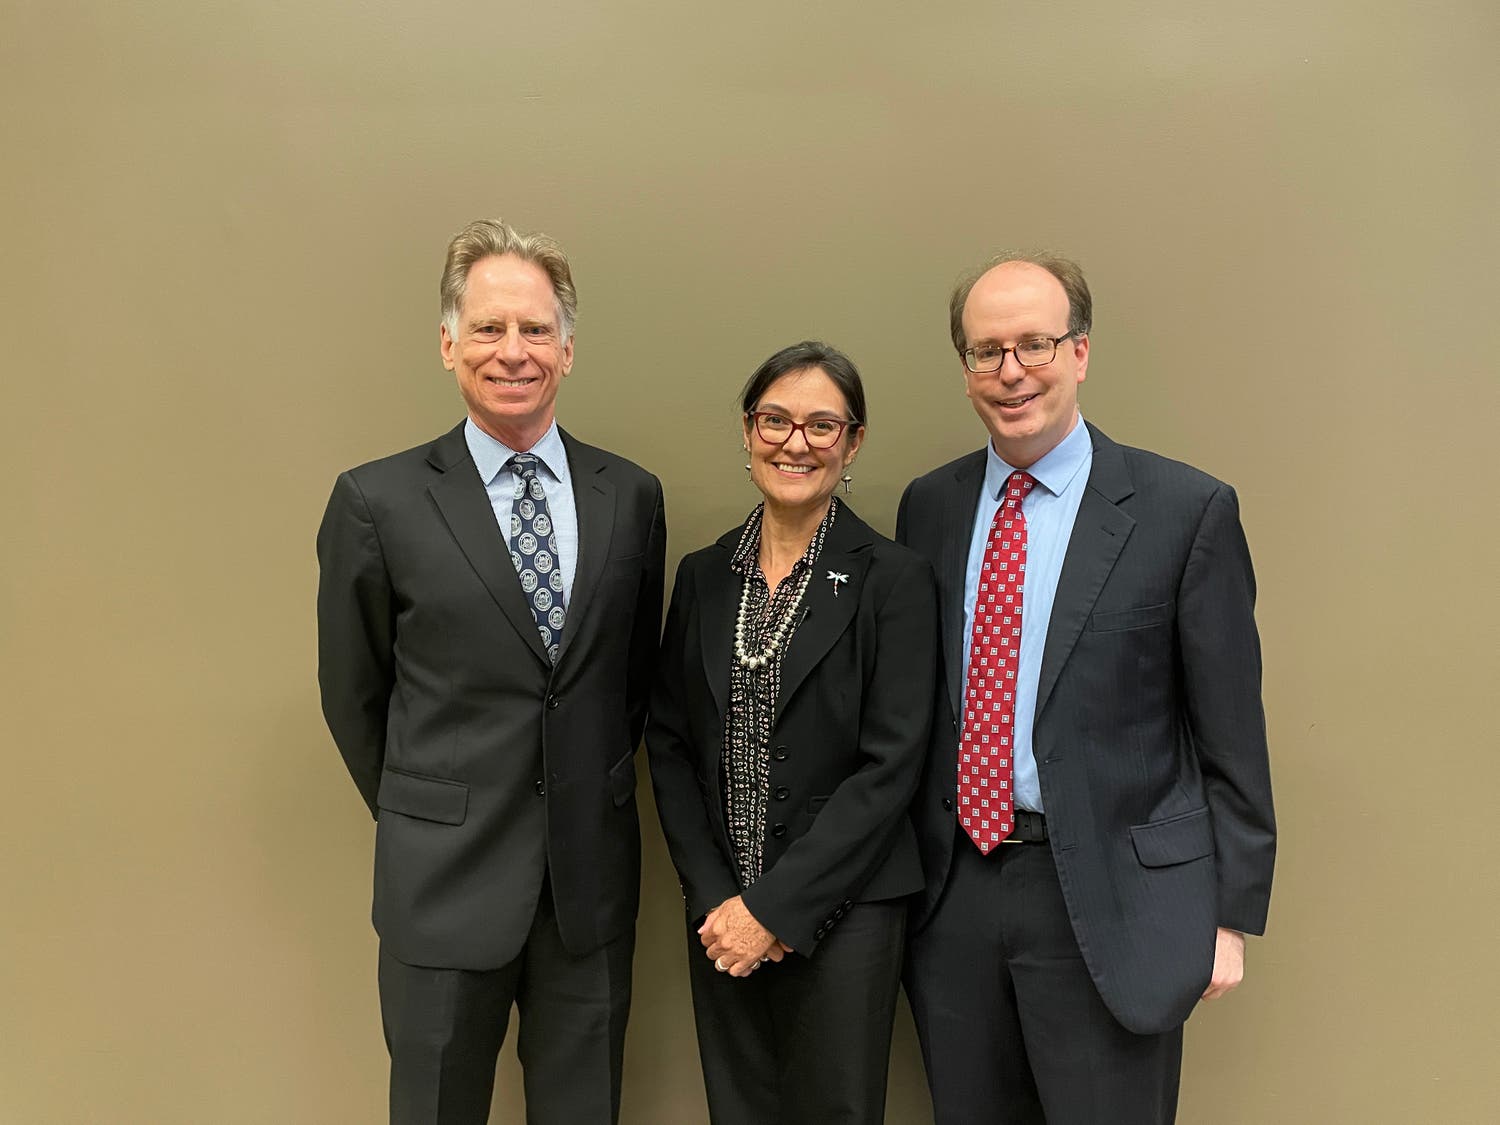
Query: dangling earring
<point>846,482</point>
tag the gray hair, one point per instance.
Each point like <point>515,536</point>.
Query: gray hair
<point>486,238</point>
<point>1069,275</point>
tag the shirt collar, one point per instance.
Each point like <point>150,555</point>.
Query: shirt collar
<point>491,455</point>
<point>1054,471</point>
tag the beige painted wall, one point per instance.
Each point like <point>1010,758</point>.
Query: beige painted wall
<point>222,230</point>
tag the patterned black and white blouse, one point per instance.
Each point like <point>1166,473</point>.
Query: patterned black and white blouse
<point>746,762</point>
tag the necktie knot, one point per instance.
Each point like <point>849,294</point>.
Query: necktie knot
<point>1017,485</point>
<point>524,465</point>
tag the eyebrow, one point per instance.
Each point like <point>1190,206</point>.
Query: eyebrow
<point>773,408</point>
<point>523,322</point>
<point>995,340</point>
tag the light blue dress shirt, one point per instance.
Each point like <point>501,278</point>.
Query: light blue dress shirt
<point>1050,509</point>
<point>492,459</point>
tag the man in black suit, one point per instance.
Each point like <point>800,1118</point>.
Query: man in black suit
<point>1095,821</point>
<point>488,611</point>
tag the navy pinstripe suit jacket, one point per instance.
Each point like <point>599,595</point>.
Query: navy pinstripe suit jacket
<point>1149,734</point>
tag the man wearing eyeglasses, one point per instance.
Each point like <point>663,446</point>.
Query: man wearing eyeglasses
<point>488,611</point>
<point>1095,821</point>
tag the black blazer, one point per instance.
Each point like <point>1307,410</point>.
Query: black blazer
<point>1149,735</point>
<point>850,733</point>
<point>484,764</point>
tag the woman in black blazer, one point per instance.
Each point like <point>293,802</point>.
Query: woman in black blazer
<point>786,738</point>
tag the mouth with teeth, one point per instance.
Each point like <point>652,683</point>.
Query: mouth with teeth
<point>509,384</point>
<point>791,469</point>
<point>1014,403</point>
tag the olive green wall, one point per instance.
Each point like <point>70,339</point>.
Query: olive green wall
<point>223,225</point>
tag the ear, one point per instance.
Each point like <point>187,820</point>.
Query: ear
<point>567,357</point>
<point>1081,356</point>
<point>446,346</point>
<point>746,426</point>
<point>856,439</point>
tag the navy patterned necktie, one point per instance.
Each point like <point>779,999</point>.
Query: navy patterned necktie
<point>533,548</point>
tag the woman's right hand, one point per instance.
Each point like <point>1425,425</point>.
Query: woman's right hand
<point>735,942</point>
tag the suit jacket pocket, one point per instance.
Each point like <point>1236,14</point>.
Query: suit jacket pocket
<point>1177,839</point>
<point>622,779</point>
<point>427,798</point>
<point>1113,621</point>
<point>802,819</point>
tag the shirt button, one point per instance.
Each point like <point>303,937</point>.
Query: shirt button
<point>782,793</point>
<point>552,702</point>
<point>778,830</point>
<point>948,804</point>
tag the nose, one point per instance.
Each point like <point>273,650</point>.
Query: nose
<point>512,348</point>
<point>1010,367</point>
<point>798,435</point>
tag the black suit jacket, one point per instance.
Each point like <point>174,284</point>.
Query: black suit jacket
<point>850,734</point>
<point>485,765</point>
<point>1149,735</point>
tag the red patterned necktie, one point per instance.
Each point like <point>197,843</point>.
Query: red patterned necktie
<point>984,751</point>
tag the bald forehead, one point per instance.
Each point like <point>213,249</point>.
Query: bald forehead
<point>1018,289</point>
<point>1018,280</point>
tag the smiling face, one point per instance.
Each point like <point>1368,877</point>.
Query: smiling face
<point>507,352</point>
<point>1027,410</point>
<point>793,476</point>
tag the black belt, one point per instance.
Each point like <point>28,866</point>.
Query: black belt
<point>1030,828</point>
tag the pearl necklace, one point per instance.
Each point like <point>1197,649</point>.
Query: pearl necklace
<point>756,660</point>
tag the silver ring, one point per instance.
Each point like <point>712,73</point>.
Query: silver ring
<point>719,964</point>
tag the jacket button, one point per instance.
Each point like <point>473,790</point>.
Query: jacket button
<point>778,830</point>
<point>782,793</point>
<point>541,787</point>
<point>948,803</point>
<point>779,753</point>
<point>552,702</point>
<point>820,932</point>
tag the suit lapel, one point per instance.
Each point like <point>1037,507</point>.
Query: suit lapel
<point>827,607</point>
<point>718,603</point>
<point>956,531</point>
<point>594,499</point>
<point>1099,534</point>
<point>465,506</point>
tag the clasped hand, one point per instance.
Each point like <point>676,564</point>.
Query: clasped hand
<point>732,938</point>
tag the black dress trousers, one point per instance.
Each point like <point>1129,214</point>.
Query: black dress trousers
<point>803,1041</point>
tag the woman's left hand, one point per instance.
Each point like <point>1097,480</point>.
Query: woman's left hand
<point>734,939</point>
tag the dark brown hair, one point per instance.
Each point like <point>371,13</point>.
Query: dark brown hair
<point>805,356</point>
